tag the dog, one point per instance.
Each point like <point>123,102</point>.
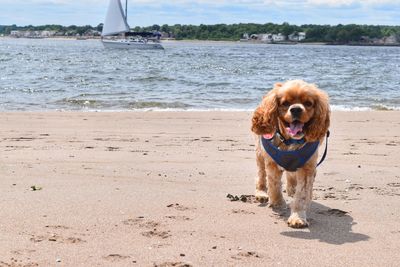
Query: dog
<point>293,115</point>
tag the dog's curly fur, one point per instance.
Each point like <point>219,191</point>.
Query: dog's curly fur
<point>275,113</point>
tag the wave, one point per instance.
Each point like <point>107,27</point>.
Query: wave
<point>88,103</point>
<point>370,108</point>
<point>152,79</point>
<point>158,105</point>
<point>91,103</point>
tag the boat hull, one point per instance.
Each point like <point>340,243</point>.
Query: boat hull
<point>126,44</point>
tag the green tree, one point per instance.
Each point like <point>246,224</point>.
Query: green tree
<point>156,27</point>
<point>100,27</point>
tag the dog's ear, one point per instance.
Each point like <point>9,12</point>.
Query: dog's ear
<point>320,122</point>
<point>265,117</point>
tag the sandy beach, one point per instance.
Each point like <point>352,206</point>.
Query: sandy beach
<point>150,189</point>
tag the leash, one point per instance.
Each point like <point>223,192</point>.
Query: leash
<point>328,133</point>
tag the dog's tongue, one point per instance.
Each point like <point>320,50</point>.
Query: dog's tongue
<point>295,128</point>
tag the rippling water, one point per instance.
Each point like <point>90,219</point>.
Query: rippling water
<point>82,75</point>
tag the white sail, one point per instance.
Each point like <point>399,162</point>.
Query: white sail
<point>115,20</point>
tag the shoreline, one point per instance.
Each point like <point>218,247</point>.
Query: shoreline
<point>178,110</point>
<point>87,188</point>
<point>90,38</point>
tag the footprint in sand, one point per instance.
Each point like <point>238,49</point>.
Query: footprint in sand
<point>248,254</point>
<point>23,251</point>
<point>141,222</point>
<point>148,224</point>
<point>244,198</point>
<point>329,195</point>
<point>56,238</point>
<point>238,211</point>
<point>157,233</point>
<point>17,263</point>
<point>57,227</point>
<point>179,207</point>
<point>112,148</point>
<point>392,143</point>
<point>72,240</point>
<point>331,173</point>
<point>18,139</point>
<point>172,264</point>
<point>178,218</point>
<point>116,257</point>
<point>393,190</point>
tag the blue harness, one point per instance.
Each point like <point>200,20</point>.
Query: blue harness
<point>291,160</point>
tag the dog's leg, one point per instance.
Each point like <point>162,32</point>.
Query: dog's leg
<point>261,183</point>
<point>274,175</point>
<point>302,198</point>
<point>291,183</point>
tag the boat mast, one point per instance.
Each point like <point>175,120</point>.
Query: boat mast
<point>126,10</point>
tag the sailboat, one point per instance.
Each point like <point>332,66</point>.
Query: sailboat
<point>116,24</point>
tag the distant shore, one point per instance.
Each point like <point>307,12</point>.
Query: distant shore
<point>216,41</point>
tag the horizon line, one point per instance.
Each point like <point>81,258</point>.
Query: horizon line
<point>299,25</point>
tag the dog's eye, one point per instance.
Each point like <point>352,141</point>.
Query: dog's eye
<point>286,104</point>
<point>308,104</point>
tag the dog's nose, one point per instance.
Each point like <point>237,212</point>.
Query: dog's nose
<point>296,111</point>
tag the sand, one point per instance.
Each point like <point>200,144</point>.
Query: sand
<point>149,189</point>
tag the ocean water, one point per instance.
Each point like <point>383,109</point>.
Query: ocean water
<point>40,75</point>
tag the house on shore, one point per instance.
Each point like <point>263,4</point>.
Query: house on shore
<point>268,37</point>
<point>297,36</point>
<point>265,38</point>
<point>387,40</point>
<point>278,37</point>
<point>15,34</point>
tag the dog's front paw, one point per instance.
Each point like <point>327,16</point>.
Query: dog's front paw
<point>261,196</point>
<point>296,221</point>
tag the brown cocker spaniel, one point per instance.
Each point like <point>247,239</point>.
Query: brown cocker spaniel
<point>291,116</point>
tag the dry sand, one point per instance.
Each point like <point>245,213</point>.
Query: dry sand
<point>149,189</point>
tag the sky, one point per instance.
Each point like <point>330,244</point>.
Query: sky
<point>149,12</point>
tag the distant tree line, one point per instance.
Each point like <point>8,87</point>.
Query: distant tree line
<point>315,33</point>
<point>72,30</point>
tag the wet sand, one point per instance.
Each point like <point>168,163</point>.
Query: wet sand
<point>150,189</point>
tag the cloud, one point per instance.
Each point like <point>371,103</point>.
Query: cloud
<point>49,2</point>
<point>248,3</point>
<point>349,2</point>
<point>149,12</point>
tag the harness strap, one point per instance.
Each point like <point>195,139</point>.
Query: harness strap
<point>326,149</point>
<point>289,142</point>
